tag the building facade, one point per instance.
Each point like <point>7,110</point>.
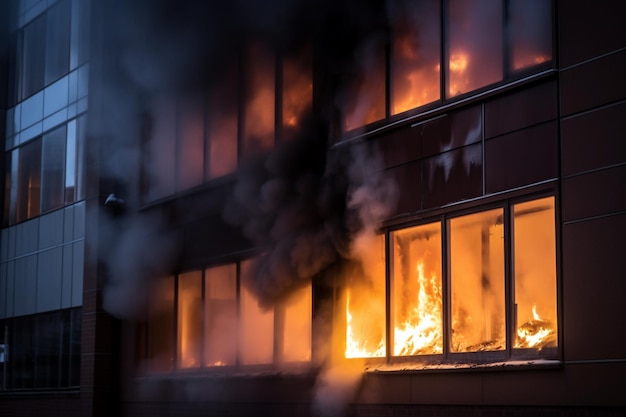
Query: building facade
<point>312,208</point>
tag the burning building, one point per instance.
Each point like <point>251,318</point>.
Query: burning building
<point>312,208</point>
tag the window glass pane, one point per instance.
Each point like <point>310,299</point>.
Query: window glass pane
<point>365,310</point>
<point>534,257</point>
<point>477,282</point>
<point>58,41</point>
<point>10,187</point>
<point>53,169</point>
<point>475,45</point>
<point>79,50</point>
<point>256,335</point>
<point>220,320</point>
<point>48,350</point>
<point>190,155</point>
<point>33,56</point>
<point>531,32</point>
<point>297,91</point>
<point>14,69</point>
<point>415,55</point>
<point>160,337</point>
<point>365,98</point>
<point>161,149</point>
<point>222,129</point>
<point>189,339</point>
<point>29,180</point>
<point>75,341</point>
<point>22,351</point>
<point>296,332</point>
<point>416,291</point>
<point>259,107</point>
<point>70,163</point>
<point>81,140</point>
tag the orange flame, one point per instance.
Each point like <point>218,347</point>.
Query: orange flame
<point>535,333</point>
<point>421,332</point>
<point>357,342</point>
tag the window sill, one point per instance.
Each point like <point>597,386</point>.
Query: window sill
<point>408,367</point>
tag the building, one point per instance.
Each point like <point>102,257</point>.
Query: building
<point>312,208</point>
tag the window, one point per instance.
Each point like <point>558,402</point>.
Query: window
<point>478,286</point>
<point>45,173</point>
<point>479,42</point>
<point>209,318</point>
<point>42,351</point>
<point>42,53</point>
<point>250,106</point>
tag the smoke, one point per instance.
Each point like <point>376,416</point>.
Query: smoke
<point>336,387</point>
<point>310,211</point>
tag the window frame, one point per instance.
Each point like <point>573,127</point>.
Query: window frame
<point>479,357</point>
<point>509,74</point>
<point>174,365</point>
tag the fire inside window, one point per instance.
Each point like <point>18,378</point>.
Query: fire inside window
<point>479,42</point>
<point>218,322</point>
<point>448,291</point>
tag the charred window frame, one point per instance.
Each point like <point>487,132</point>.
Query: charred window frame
<point>519,44</point>
<point>41,352</point>
<point>210,320</point>
<point>502,255</point>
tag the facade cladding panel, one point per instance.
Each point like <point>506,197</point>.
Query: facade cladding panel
<point>433,189</point>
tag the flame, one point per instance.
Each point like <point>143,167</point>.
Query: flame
<point>414,81</point>
<point>357,343</point>
<point>421,332</point>
<point>529,60</point>
<point>536,333</point>
<point>459,81</point>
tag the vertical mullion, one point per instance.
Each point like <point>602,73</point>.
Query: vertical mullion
<point>238,313</point>
<point>388,288</point>
<point>509,287</point>
<point>203,321</point>
<point>445,288</point>
<point>175,326</point>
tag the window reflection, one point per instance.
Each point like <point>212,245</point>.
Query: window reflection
<point>160,330</point>
<point>190,152</point>
<point>259,105</point>
<point>297,91</point>
<point>222,126</point>
<point>415,55</point>
<point>29,181</point>
<point>256,331</point>
<point>531,32</point>
<point>365,95</point>
<point>477,282</point>
<point>475,45</point>
<point>189,325</point>
<point>53,169</point>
